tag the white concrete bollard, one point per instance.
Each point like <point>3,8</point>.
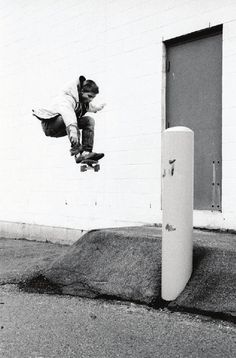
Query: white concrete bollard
<point>177,208</point>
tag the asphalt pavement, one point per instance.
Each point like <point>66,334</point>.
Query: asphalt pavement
<point>45,325</point>
<point>52,326</point>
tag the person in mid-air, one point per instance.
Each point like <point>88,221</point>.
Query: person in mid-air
<point>67,117</point>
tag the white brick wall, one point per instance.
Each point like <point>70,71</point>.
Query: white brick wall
<point>118,43</point>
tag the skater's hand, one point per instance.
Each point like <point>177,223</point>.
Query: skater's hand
<point>95,108</point>
<point>101,106</point>
<point>74,139</point>
<point>72,132</point>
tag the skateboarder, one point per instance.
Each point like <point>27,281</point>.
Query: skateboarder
<point>67,117</point>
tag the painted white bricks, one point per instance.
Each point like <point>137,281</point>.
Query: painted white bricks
<point>118,43</point>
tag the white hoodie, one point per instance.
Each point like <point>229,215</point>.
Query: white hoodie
<point>66,104</point>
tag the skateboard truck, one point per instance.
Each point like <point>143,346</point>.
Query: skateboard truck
<point>89,164</point>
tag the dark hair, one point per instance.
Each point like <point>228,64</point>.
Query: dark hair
<point>90,86</point>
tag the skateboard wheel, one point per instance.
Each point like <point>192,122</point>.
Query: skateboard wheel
<point>96,167</point>
<point>83,168</point>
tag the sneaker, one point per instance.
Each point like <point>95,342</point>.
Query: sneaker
<point>97,156</point>
<point>82,156</point>
<point>76,149</point>
<point>88,155</point>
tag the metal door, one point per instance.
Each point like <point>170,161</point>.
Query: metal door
<point>194,100</point>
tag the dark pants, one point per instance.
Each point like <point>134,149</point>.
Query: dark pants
<point>56,128</point>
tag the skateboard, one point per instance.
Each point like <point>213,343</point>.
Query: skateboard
<point>89,164</point>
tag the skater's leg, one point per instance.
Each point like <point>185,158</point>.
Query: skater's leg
<point>87,125</point>
<point>54,127</point>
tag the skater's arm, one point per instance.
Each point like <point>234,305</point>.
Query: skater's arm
<point>66,108</point>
